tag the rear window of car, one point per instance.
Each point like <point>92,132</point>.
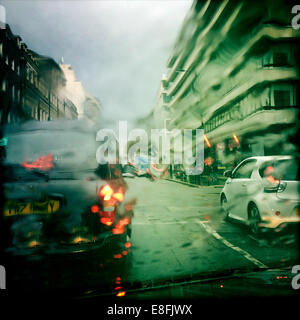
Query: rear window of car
<point>286,169</point>
<point>66,148</point>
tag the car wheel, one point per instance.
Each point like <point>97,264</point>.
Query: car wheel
<point>224,207</point>
<point>254,218</point>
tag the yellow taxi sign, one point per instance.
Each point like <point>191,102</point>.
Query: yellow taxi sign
<point>13,207</point>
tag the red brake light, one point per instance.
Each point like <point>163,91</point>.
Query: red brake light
<point>107,221</point>
<point>106,192</point>
<point>42,163</point>
<point>119,196</point>
<point>95,208</point>
<point>121,294</point>
<point>120,226</point>
<point>124,221</point>
<point>127,245</point>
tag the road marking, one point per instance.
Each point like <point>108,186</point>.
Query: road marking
<point>244,253</point>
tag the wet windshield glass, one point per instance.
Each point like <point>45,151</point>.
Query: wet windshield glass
<point>148,145</point>
<point>59,148</point>
<point>281,169</point>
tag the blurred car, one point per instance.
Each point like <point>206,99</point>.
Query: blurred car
<point>128,171</point>
<point>56,194</point>
<point>141,165</point>
<point>263,192</point>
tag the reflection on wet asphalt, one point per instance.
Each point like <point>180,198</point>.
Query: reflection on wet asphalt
<point>178,232</point>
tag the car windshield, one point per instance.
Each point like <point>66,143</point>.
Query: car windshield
<point>150,146</point>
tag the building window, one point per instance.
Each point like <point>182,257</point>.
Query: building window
<point>166,98</point>
<point>266,60</point>
<point>3,86</point>
<point>13,93</point>
<point>280,59</point>
<point>227,116</point>
<point>33,112</point>
<point>232,114</point>
<point>282,98</point>
<point>18,95</point>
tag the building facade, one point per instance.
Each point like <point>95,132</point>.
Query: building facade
<point>31,84</point>
<point>88,106</point>
<point>10,76</point>
<point>234,72</point>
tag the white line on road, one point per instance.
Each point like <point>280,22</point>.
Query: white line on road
<point>244,253</point>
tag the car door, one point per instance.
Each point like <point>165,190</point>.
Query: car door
<point>238,189</point>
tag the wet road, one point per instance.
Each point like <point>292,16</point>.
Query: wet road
<point>178,232</point>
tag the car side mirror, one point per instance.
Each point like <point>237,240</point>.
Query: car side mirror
<point>228,173</point>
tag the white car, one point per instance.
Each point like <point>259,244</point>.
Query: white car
<point>263,192</point>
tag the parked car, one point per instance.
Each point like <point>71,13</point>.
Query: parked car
<point>263,192</point>
<point>56,194</point>
<point>128,171</point>
<point>141,165</point>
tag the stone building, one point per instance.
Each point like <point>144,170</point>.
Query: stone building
<point>234,72</point>
<point>88,106</point>
<point>31,84</point>
<point>10,76</point>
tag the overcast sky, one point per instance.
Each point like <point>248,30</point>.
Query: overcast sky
<point>118,49</point>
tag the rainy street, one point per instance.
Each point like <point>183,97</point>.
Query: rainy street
<point>179,231</point>
<point>149,149</point>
